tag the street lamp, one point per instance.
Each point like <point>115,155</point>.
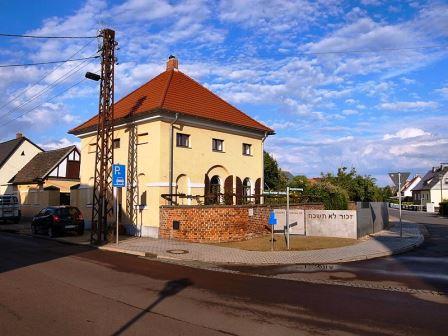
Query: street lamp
<point>93,76</point>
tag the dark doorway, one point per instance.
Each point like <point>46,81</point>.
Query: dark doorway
<point>215,190</point>
<point>64,198</point>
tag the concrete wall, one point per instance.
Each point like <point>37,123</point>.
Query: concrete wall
<point>372,217</point>
<point>33,199</point>
<point>331,223</point>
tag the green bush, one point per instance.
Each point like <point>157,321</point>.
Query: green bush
<point>333,197</point>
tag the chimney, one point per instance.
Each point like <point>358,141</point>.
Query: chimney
<point>172,63</point>
<point>19,135</point>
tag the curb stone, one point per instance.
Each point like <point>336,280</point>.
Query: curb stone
<point>166,258</point>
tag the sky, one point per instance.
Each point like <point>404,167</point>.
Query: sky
<point>358,84</point>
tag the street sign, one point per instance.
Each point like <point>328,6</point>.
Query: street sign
<point>272,219</point>
<point>118,175</point>
<point>399,179</point>
<point>396,179</point>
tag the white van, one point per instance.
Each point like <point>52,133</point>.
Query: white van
<point>9,208</point>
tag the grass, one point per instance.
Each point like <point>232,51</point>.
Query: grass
<point>297,243</point>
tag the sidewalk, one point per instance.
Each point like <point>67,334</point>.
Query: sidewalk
<point>382,244</point>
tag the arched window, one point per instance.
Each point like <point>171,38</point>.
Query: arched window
<point>246,190</point>
<point>215,190</point>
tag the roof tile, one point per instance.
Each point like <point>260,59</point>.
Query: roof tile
<point>174,91</point>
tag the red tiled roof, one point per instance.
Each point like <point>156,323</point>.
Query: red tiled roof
<point>174,91</point>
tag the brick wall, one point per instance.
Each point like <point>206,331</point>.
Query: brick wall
<point>218,223</point>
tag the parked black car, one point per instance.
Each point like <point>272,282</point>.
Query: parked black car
<point>56,220</point>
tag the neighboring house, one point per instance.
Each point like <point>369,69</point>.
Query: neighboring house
<point>14,155</point>
<point>46,179</point>
<point>433,186</point>
<point>406,189</point>
<point>215,147</point>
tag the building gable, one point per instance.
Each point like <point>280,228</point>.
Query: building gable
<point>174,92</point>
<point>62,163</point>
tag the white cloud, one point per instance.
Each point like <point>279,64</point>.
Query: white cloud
<point>349,112</point>
<point>406,133</point>
<point>405,105</point>
<point>443,91</point>
<point>58,143</point>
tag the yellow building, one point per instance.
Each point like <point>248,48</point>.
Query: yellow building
<point>189,141</point>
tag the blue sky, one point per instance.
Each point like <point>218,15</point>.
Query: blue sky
<point>376,110</point>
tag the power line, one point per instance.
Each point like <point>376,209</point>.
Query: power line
<point>62,78</point>
<point>50,99</point>
<point>51,62</point>
<point>47,37</point>
<point>42,78</point>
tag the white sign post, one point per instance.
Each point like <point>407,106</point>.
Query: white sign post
<point>398,178</point>
<point>288,189</point>
<point>118,181</point>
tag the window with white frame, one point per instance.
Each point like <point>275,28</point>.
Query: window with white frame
<point>182,140</point>
<point>247,149</point>
<point>217,145</point>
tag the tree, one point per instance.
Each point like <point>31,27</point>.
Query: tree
<point>299,181</point>
<point>273,177</point>
<point>334,197</point>
<point>359,188</point>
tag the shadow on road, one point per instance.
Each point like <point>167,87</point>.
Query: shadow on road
<point>19,251</point>
<point>171,288</point>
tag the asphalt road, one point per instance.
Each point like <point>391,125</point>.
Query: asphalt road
<point>49,288</point>
<point>422,270</point>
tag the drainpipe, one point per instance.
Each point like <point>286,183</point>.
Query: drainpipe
<point>262,167</point>
<point>171,163</point>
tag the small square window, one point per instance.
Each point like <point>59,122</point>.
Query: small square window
<point>247,149</point>
<point>218,145</point>
<point>143,138</point>
<point>182,140</point>
<point>116,143</point>
<point>92,148</point>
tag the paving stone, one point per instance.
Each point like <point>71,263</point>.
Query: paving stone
<point>383,243</point>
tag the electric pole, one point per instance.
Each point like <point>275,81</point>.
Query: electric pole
<point>102,208</point>
<point>132,182</point>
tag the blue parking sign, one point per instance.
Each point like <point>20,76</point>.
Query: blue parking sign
<point>118,175</point>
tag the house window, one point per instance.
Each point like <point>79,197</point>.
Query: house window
<point>142,138</point>
<point>92,148</point>
<point>247,149</point>
<point>218,145</point>
<point>182,140</point>
<point>446,180</point>
<point>215,190</point>
<point>246,190</point>
<point>116,143</point>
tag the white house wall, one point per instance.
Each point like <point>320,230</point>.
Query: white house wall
<point>16,162</point>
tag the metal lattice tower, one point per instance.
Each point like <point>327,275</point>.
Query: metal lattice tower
<point>132,173</point>
<point>102,209</point>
